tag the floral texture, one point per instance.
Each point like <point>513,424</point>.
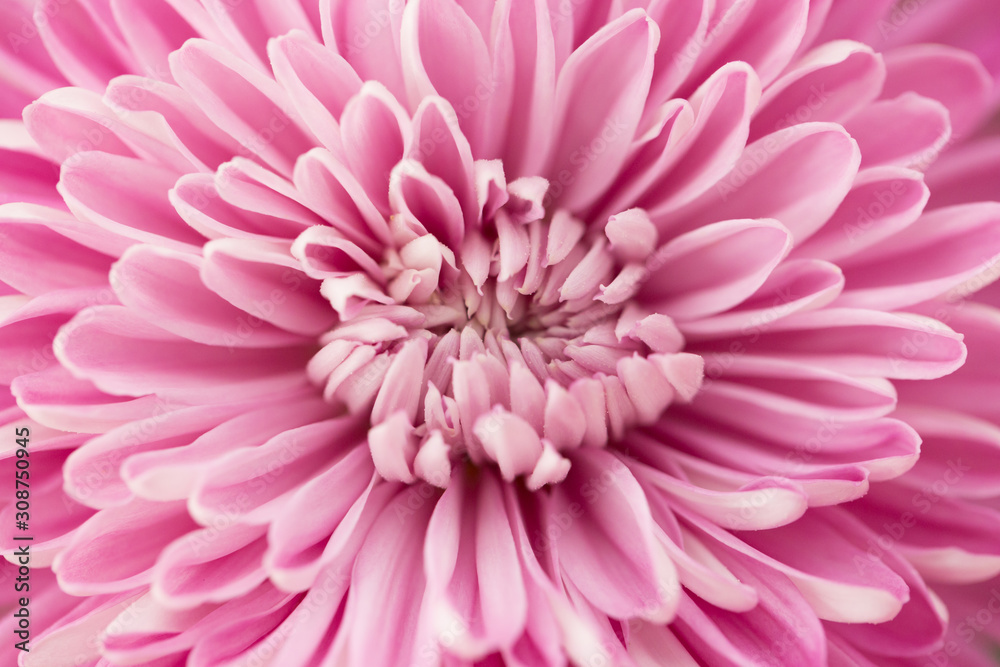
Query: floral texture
<point>377,333</point>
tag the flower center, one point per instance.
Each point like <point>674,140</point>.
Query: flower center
<point>508,344</point>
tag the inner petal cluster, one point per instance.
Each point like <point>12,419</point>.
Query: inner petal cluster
<point>507,341</point>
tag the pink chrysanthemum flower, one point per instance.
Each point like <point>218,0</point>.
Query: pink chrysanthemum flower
<point>526,333</point>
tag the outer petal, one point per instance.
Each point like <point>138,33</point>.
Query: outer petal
<point>592,146</point>
<point>612,535</point>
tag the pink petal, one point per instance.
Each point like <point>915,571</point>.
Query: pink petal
<point>865,343</point>
<point>248,25</point>
<point>35,260</point>
<point>765,34</point>
<point>907,131</point>
<point>165,474</point>
<point>210,565</point>
<point>263,279</point>
<point>472,568</point>
<point>295,548</point>
<point>953,77</point>
<point>75,30</point>
<point>533,53</point>
<point>318,81</point>
<point>591,148</point>
<point>125,542</point>
<point>376,133</point>
<point>940,251</point>
<point>152,30</point>
<point>882,201</point>
<point>722,106</point>
<point>345,29</point>
<point>57,399</point>
<point>125,355</point>
<point>249,106</point>
<point>127,197</point>
<point>966,173</point>
<point>94,471</point>
<point>793,286</point>
<point>444,151</point>
<point>710,269</point>
<point>387,586</point>
<point>329,188</point>
<point>677,53</point>
<point>729,638</point>
<point>192,132</point>
<point>425,204</point>
<point>443,53</point>
<point>968,390</point>
<point>830,83</point>
<point>281,466</point>
<point>797,176</point>
<point>164,286</point>
<point>610,511</point>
